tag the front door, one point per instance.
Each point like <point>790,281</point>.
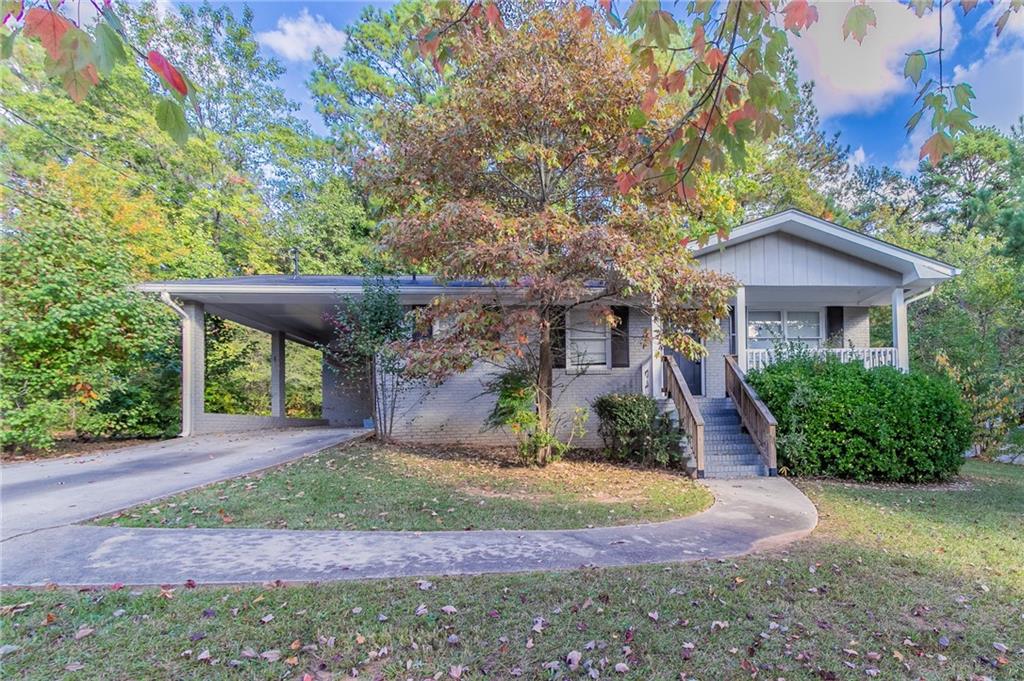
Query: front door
<point>691,371</point>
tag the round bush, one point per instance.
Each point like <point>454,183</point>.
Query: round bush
<point>845,421</point>
<point>634,431</point>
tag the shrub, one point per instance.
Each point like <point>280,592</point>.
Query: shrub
<point>515,391</point>
<point>845,421</point>
<point>633,430</point>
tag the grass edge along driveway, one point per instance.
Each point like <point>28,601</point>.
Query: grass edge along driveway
<point>368,486</point>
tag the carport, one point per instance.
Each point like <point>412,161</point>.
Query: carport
<point>289,309</point>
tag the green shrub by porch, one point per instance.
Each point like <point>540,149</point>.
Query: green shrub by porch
<point>845,421</point>
<point>634,431</point>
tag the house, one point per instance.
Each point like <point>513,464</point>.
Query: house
<point>804,280</point>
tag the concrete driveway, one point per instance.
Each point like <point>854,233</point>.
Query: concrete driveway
<point>37,495</point>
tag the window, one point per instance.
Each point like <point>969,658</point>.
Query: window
<point>766,328</point>
<point>588,340</point>
<point>804,327</point>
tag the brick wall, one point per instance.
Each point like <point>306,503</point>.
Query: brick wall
<point>856,327</point>
<point>455,412</point>
<point>714,364</point>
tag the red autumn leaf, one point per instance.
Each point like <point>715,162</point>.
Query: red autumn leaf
<point>732,95</point>
<point>937,146</point>
<point>714,58</point>
<point>698,40</point>
<point>649,100</point>
<point>585,16</point>
<point>686,193</point>
<point>48,26</point>
<point>165,70</point>
<point>745,112</point>
<point>606,5</point>
<point>799,15</point>
<point>675,81</point>
<point>494,15</point>
<point>626,181</point>
<point>968,5</point>
<point>428,48</point>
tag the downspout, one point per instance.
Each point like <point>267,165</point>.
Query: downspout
<point>165,297</point>
<point>921,296</point>
<point>186,419</point>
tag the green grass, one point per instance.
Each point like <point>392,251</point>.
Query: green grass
<point>373,487</point>
<point>926,580</point>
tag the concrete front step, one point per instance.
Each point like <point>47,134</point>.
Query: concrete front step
<point>735,448</point>
<point>731,472</point>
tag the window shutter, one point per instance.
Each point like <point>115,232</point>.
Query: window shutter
<point>834,324</point>
<point>558,340</point>
<point>620,337</point>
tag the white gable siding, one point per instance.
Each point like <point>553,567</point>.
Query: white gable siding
<point>780,259</point>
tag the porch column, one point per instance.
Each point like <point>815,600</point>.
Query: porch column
<point>277,374</point>
<point>740,320</point>
<point>900,340</point>
<point>657,377</point>
<point>193,367</point>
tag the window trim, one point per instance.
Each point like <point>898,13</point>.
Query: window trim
<point>570,366</point>
<point>784,320</point>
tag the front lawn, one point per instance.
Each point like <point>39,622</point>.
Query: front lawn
<point>373,487</point>
<point>896,583</point>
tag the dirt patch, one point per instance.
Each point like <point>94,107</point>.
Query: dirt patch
<point>64,449</point>
<point>496,494</point>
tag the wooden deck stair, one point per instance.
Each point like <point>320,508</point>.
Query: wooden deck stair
<point>728,437</point>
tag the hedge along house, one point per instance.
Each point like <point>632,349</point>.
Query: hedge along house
<point>802,280</point>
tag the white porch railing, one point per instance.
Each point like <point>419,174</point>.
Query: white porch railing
<point>870,357</point>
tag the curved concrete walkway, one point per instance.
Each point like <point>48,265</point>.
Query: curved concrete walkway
<point>747,515</point>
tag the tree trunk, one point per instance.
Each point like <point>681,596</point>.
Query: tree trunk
<point>544,382</point>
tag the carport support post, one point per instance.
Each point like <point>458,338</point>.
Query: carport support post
<point>277,374</point>
<point>900,341</point>
<point>193,367</point>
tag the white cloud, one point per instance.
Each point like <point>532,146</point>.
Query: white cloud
<point>858,157</point>
<point>909,155</point>
<point>998,81</point>
<point>863,78</point>
<point>296,37</point>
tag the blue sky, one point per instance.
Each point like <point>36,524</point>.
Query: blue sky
<point>861,91</point>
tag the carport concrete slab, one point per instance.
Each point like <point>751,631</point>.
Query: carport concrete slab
<point>49,493</point>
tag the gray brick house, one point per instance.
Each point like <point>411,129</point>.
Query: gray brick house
<point>804,280</point>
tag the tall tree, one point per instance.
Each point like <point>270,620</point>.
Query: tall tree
<point>379,66</point>
<point>509,178</point>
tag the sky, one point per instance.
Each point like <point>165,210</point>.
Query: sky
<point>860,89</point>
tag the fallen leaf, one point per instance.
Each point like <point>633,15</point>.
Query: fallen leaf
<point>74,667</point>
<point>267,619</point>
<point>82,632</point>
<point>621,667</point>
<point>271,655</point>
<point>449,610</point>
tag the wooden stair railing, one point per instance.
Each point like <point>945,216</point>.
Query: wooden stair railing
<point>686,406</point>
<point>754,413</point>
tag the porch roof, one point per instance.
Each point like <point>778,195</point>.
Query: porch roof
<point>919,272</point>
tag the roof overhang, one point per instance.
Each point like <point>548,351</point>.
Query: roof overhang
<point>919,272</point>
